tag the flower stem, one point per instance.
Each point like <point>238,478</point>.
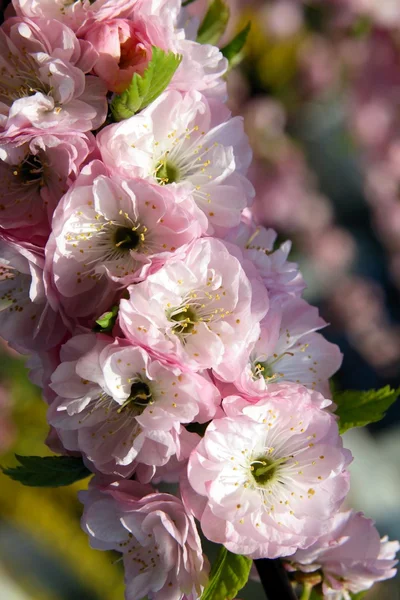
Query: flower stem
<point>307,589</point>
<point>274,579</point>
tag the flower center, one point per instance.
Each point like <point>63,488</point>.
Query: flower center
<point>30,170</point>
<point>264,469</point>
<point>139,397</point>
<point>185,318</point>
<point>167,173</point>
<point>266,368</point>
<point>126,238</point>
<point>262,369</point>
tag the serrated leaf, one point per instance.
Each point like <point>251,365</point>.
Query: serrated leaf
<point>214,23</point>
<point>144,89</point>
<point>229,574</point>
<point>105,323</point>
<point>358,408</point>
<point>233,51</point>
<point>47,471</point>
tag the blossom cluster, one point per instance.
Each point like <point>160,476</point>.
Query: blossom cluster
<point>149,219</point>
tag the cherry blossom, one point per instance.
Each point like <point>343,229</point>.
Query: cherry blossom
<point>197,311</point>
<point>273,474</point>
<point>350,557</point>
<point>110,231</point>
<point>35,172</point>
<point>124,47</point>
<point>42,78</point>
<point>159,542</point>
<point>121,407</point>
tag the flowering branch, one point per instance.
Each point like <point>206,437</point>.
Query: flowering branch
<point>158,309</point>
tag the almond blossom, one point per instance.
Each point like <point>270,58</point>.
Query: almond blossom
<point>35,172</point>
<point>350,557</point>
<point>121,407</point>
<point>159,542</point>
<point>273,473</point>
<point>197,311</point>
<point>190,145</point>
<point>42,78</point>
<point>110,231</point>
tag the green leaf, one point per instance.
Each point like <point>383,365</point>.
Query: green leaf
<point>228,575</point>
<point>187,2</point>
<point>214,23</point>
<point>47,471</point>
<point>233,51</point>
<point>144,89</point>
<point>357,408</point>
<point>105,323</point>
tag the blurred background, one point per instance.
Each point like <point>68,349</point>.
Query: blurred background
<point>319,88</point>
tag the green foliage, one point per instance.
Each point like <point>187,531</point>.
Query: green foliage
<point>229,574</point>
<point>233,51</point>
<point>105,323</point>
<point>357,409</point>
<point>47,471</point>
<point>214,23</point>
<point>144,89</point>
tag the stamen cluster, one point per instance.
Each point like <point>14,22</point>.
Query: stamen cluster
<point>155,305</point>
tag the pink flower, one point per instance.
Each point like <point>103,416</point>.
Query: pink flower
<point>26,320</point>
<point>280,276</point>
<point>350,557</point>
<point>161,548</point>
<point>76,15</point>
<point>272,473</point>
<point>288,349</point>
<point>35,171</point>
<point>109,231</point>
<point>121,407</point>
<point>189,145</point>
<point>197,311</point>
<point>42,78</point>
<point>124,48</point>
<point>202,69</point>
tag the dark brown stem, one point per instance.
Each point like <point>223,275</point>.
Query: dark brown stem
<point>274,579</point>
